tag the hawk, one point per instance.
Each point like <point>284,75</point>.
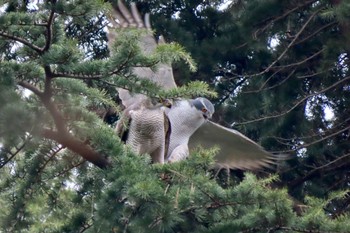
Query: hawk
<point>169,131</point>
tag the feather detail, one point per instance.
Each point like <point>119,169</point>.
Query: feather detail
<point>236,151</point>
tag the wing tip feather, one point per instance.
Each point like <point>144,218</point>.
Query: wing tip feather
<point>148,21</point>
<point>268,162</point>
<point>136,14</point>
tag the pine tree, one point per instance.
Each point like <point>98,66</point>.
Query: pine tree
<point>63,169</point>
<point>278,68</point>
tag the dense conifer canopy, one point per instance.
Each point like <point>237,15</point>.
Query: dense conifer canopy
<point>278,71</point>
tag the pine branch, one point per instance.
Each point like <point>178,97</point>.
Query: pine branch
<point>83,76</point>
<point>77,146</point>
<point>282,228</point>
<point>70,168</point>
<point>55,114</point>
<point>12,154</point>
<point>31,45</point>
<point>21,40</point>
<point>49,31</point>
<point>52,155</point>
<point>62,136</point>
<point>50,106</point>
<point>78,76</point>
<point>31,87</point>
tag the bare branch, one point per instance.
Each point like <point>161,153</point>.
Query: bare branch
<point>314,142</point>
<point>313,75</point>
<point>288,47</point>
<point>271,87</point>
<point>316,134</point>
<point>302,61</point>
<point>296,104</point>
<point>280,68</point>
<point>260,30</point>
<point>315,33</point>
<point>291,44</point>
<point>322,168</point>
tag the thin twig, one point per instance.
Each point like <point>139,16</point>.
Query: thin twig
<point>312,173</point>
<point>289,45</point>
<point>311,143</point>
<point>315,33</point>
<point>51,156</point>
<point>271,87</point>
<point>260,30</point>
<point>70,168</point>
<point>296,104</point>
<point>13,154</point>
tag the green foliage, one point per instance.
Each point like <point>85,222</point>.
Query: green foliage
<point>179,197</point>
<point>169,53</point>
<point>191,90</point>
<point>127,54</point>
<point>65,53</point>
<point>55,79</point>
<point>79,10</point>
<point>339,11</point>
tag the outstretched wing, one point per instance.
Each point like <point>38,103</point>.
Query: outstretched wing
<point>236,150</point>
<point>121,18</point>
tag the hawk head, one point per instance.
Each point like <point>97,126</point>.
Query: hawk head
<point>204,106</point>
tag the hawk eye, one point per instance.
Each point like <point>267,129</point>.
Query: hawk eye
<point>204,110</point>
<point>167,103</point>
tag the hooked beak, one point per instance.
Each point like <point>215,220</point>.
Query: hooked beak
<point>207,115</point>
<point>167,103</point>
